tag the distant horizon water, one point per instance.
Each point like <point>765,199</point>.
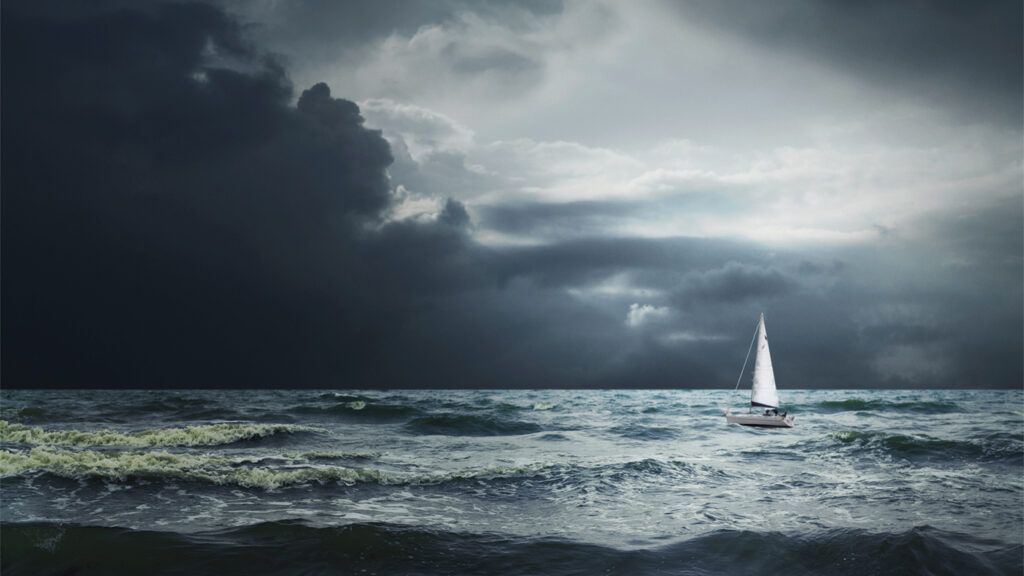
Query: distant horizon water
<point>483,389</point>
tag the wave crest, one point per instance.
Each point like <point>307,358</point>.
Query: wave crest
<point>126,466</point>
<point>310,468</point>
<point>999,447</point>
<point>200,435</point>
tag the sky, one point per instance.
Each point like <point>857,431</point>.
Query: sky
<point>498,194</point>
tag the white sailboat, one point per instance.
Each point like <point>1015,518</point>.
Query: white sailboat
<point>764,398</point>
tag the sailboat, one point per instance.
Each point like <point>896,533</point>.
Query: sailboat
<point>764,398</point>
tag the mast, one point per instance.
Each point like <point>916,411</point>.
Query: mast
<point>763,392</point>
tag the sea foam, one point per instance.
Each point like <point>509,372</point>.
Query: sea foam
<point>201,435</point>
<point>125,466</point>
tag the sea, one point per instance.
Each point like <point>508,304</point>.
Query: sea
<point>509,482</point>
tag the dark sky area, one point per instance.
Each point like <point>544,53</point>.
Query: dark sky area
<point>453,194</point>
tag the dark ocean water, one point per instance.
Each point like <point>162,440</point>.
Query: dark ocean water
<point>509,482</point>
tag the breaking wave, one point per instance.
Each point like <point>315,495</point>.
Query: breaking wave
<point>128,466</point>
<point>323,455</point>
<point>201,435</point>
<point>309,468</point>
<point>292,547</point>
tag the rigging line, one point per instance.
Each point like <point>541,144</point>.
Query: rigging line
<point>745,360</point>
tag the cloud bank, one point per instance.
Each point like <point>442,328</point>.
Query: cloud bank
<point>176,213</point>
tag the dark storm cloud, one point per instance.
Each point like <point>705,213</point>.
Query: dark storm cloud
<point>549,218</point>
<point>735,282</point>
<point>991,233</point>
<point>901,333</point>
<point>982,305</point>
<point>587,260</point>
<point>811,268</point>
<point>170,219</point>
<point>173,216</point>
<point>967,55</point>
<point>653,366</point>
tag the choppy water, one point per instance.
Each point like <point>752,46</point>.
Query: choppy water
<point>552,482</point>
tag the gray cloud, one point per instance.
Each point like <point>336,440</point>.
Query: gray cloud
<point>492,59</point>
<point>331,27</point>
<point>966,55</point>
<point>736,282</point>
<point>812,268</point>
<point>313,35</point>
<point>550,219</point>
<point>581,261</point>
<point>175,216</point>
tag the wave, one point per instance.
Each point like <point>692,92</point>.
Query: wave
<point>292,547</point>
<point>293,470</point>
<point>34,414</point>
<point>638,432</point>
<point>342,402</point>
<point>361,410</point>
<point>340,397</point>
<point>201,435</point>
<point>176,409</point>
<point>158,404</point>
<point>511,407</point>
<point>470,425</point>
<point>1006,448</point>
<point>315,455</point>
<point>129,466</point>
<point>601,477</point>
<point>128,409</point>
<point>605,477</point>
<point>167,410</point>
<point>863,405</point>
<point>650,467</point>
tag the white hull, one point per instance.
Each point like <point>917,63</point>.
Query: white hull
<point>760,420</point>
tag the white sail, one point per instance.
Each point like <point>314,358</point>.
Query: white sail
<point>763,391</point>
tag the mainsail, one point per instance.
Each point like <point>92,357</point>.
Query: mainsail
<point>763,391</point>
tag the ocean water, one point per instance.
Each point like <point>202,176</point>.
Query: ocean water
<point>509,482</point>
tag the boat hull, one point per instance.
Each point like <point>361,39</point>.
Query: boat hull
<point>760,420</point>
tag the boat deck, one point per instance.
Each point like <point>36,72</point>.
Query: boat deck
<point>769,421</point>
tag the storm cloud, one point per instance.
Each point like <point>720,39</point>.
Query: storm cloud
<point>177,214</point>
<point>171,219</point>
<point>962,55</point>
